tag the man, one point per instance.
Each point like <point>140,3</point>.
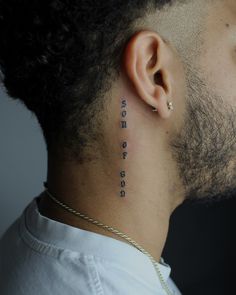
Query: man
<point>136,103</point>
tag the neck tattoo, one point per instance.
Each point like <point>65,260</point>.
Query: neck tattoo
<point>124,144</point>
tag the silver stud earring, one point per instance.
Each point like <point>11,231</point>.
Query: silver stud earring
<point>170,105</point>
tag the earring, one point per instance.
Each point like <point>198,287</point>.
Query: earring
<point>170,105</point>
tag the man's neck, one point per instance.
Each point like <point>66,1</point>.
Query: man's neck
<point>143,214</point>
<point>154,245</point>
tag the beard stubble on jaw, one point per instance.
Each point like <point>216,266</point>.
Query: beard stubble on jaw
<point>205,148</point>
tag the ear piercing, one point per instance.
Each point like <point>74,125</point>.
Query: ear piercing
<point>169,105</point>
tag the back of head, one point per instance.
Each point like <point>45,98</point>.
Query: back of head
<point>60,58</point>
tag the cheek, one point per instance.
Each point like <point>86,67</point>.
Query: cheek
<point>218,56</point>
<point>218,66</point>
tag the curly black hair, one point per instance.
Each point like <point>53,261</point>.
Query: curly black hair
<point>59,57</point>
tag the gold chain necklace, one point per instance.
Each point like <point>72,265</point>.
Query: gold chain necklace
<point>163,283</point>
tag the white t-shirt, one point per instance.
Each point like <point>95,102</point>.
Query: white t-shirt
<point>41,256</point>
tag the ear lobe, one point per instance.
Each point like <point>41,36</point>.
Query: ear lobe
<point>162,107</point>
<point>145,61</point>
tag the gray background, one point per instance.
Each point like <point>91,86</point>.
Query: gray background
<point>23,159</point>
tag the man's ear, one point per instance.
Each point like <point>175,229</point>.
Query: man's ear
<point>146,61</point>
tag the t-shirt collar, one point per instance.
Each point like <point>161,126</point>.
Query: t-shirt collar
<point>65,236</point>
